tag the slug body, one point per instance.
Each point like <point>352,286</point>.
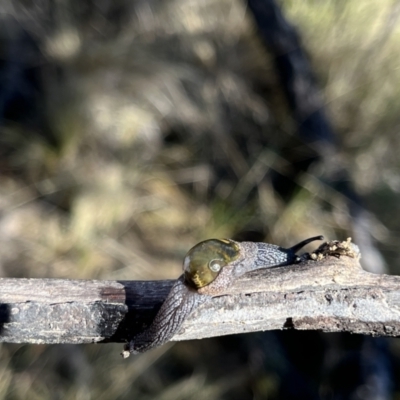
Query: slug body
<point>209,269</point>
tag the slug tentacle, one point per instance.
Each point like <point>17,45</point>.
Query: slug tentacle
<point>303,243</point>
<point>271,256</point>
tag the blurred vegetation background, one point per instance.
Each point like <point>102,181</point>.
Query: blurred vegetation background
<point>132,130</point>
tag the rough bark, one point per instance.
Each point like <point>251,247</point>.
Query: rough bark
<point>332,295</point>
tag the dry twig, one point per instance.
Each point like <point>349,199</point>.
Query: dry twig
<point>330,293</point>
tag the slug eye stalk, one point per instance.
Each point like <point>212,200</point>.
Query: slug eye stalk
<point>303,243</point>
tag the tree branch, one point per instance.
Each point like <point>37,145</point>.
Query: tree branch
<point>332,295</point>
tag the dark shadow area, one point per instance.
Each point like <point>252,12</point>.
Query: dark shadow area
<point>5,313</point>
<point>142,306</point>
<point>363,369</point>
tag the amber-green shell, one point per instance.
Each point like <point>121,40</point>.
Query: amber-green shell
<point>203,262</point>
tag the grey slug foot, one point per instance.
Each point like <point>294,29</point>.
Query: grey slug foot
<point>180,302</point>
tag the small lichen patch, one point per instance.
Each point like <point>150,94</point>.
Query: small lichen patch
<point>337,249</point>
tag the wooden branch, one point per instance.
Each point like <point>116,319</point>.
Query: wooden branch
<point>330,295</point>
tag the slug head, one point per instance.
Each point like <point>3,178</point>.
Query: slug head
<point>203,262</point>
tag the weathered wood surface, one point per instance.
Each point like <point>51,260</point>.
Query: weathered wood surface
<point>331,295</point>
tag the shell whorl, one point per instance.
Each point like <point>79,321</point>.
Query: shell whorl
<point>205,261</point>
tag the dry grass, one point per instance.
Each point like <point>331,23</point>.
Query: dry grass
<point>159,135</point>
